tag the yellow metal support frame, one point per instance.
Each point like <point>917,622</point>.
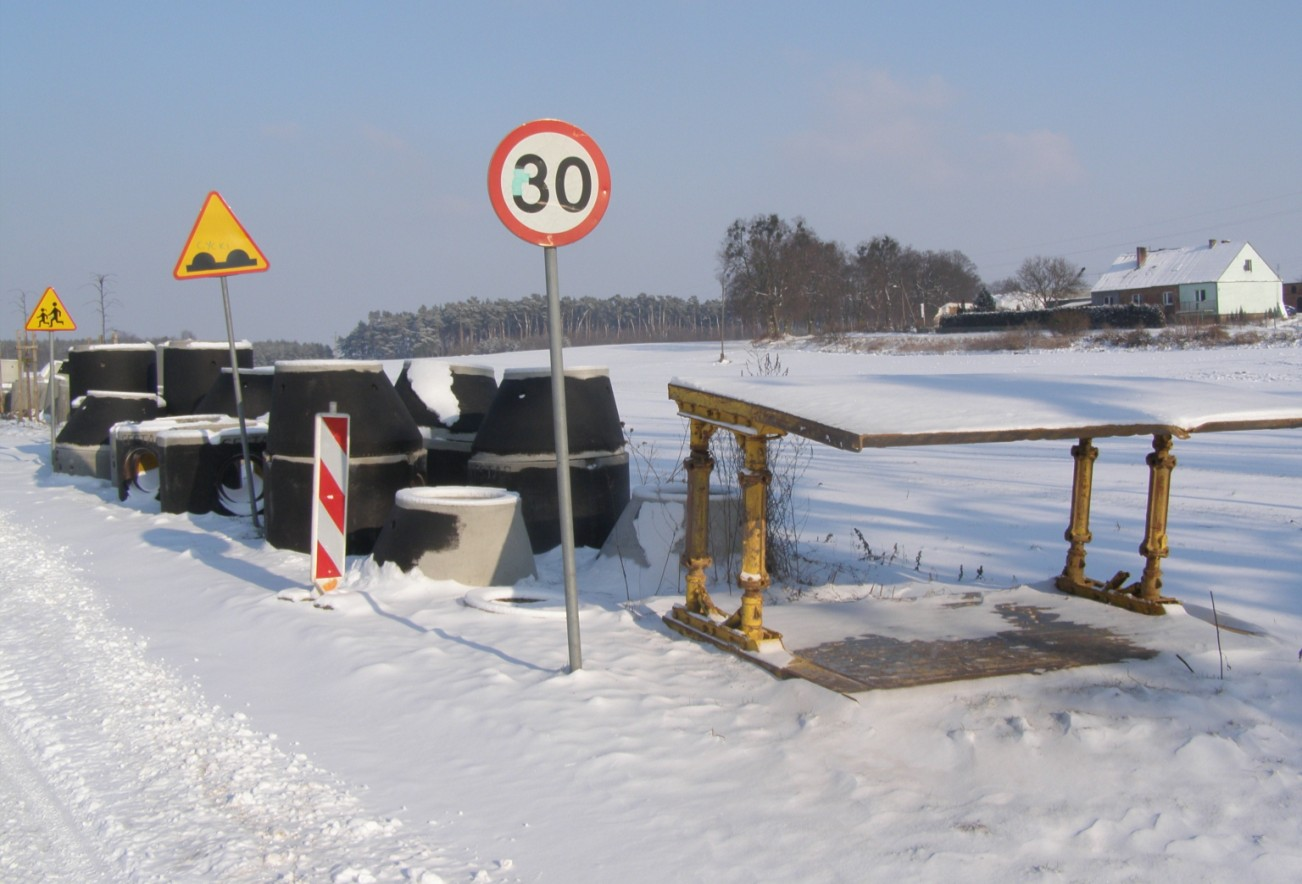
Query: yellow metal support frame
<point>1145,595</point>
<point>754,426</point>
<point>696,549</point>
<point>699,616</point>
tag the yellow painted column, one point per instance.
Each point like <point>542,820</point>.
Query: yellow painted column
<point>1078,529</point>
<point>696,546</point>
<point>754,579</point>
<point>1155,548</point>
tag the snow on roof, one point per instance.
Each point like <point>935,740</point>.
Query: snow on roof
<point>1189,264</point>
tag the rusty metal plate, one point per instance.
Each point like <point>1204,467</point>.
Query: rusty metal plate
<point>1037,640</point>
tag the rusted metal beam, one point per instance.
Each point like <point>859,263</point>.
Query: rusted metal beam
<point>696,546</point>
<point>1078,530</point>
<point>1155,546</point>
<point>754,478</point>
<point>1144,596</point>
<point>747,417</point>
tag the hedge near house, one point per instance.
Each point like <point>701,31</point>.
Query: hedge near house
<point>1101,317</point>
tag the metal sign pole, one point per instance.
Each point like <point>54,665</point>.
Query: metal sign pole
<point>560,427</point>
<point>549,184</point>
<point>239,409</point>
<point>49,388</point>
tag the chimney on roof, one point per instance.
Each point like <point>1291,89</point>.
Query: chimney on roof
<point>1141,255</point>
<point>1211,243</point>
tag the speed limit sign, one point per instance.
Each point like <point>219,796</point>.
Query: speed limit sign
<point>549,183</point>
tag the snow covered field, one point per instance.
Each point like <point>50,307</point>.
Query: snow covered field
<point>165,715</point>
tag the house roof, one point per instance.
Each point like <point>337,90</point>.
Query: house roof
<point>1190,264</point>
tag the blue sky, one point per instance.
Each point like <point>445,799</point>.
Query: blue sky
<point>352,141</point>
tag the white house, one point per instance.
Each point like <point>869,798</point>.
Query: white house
<point>1221,278</point>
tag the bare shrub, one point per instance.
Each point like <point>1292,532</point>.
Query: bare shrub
<point>870,344</point>
<point>1055,342</point>
<point>927,344</point>
<point>788,460</point>
<point>1069,322</point>
<point>841,341</point>
<point>1023,338</point>
<point>1132,339</point>
<point>1213,336</point>
<point>1191,336</point>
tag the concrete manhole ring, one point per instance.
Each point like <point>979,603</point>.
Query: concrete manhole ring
<point>532,602</point>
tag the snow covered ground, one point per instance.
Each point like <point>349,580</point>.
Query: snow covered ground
<point>166,715</point>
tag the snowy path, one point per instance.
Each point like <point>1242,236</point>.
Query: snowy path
<point>42,839</point>
<point>183,792</point>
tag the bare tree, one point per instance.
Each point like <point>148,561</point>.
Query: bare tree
<point>1049,280</point>
<point>877,272</point>
<point>101,283</point>
<point>754,258</point>
<point>22,306</point>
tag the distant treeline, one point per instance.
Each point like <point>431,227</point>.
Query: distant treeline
<point>778,275</point>
<point>475,326</point>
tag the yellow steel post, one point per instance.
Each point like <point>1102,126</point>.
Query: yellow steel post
<point>1078,530</point>
<point>696,546</point>
<point>1155,548</point>
<point>754,478</point>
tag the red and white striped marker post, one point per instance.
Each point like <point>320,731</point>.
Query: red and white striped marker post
<point>329,500</point>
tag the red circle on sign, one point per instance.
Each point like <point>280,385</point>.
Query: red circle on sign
<point>532,183</point>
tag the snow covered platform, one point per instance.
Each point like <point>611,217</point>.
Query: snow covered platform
<point>881,411</point>
<point>860,411</point>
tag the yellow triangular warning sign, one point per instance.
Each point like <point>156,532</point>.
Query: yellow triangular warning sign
<point>218,245</point>
<point>50,315</point>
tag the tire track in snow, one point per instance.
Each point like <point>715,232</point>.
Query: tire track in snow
<point>116,770</point>
<point>41,839</point>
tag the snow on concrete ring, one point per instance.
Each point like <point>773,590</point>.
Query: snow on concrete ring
<point>531,602</point>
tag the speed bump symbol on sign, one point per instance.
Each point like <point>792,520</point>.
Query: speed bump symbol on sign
<point>218,245</point>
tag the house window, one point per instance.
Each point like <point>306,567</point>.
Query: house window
<point>1247,264</point>
<point>1202,294</point>
<point>1136,298</point>
<point>1168,299</point>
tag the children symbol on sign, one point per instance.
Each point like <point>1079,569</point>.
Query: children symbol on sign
<point>50,318</point>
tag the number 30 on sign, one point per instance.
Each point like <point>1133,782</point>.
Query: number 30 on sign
<point>549,183</point>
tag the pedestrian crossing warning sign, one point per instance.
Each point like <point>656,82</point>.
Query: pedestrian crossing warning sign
<point>218,245</point>
<point>50,315</point>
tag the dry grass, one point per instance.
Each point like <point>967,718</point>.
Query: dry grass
<point>1128,338</point>
<point>1065,333</point>
<point>1193,336</point>
<point>1018,339</point>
